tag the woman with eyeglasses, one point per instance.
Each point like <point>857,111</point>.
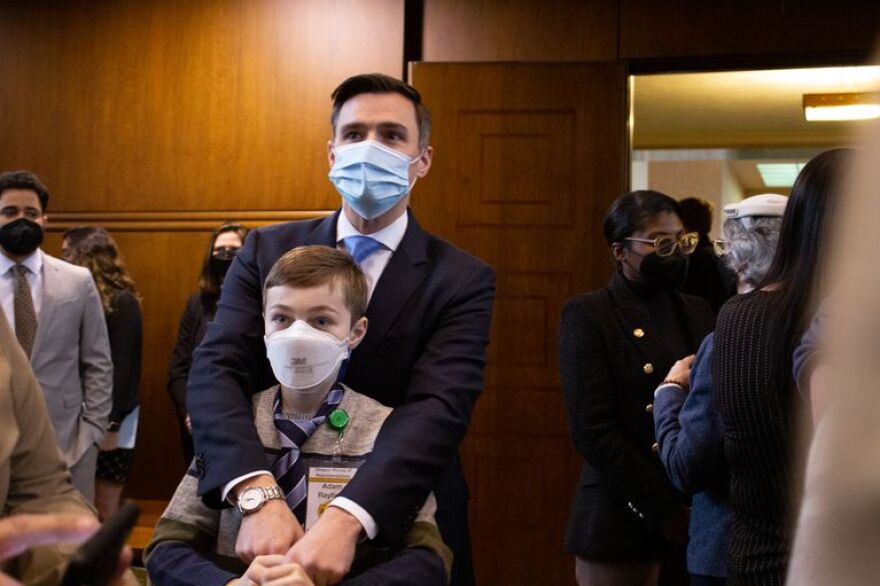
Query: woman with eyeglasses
<point>223,245</point>
<point>628,524</point>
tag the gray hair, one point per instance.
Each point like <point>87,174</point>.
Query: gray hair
<point>751,244</point>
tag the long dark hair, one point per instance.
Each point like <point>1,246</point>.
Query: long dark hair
<point>796,270</point>
<point>92,247</point>
<point>210,278</point>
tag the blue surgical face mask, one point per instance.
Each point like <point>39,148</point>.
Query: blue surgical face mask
<point>371,177</point>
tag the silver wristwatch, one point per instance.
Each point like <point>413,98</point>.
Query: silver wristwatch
<point>252,499</point>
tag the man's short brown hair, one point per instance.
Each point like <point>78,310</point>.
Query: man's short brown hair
<point>379,83</point>
<point>313,266</point>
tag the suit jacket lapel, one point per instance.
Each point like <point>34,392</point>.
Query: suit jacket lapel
<point>325,232</point>
<point>51,284</point>
<point>637,323</point>
<point>402,276</point>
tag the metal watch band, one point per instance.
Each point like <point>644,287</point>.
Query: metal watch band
<point>272,492</point>
<point>269,493</point>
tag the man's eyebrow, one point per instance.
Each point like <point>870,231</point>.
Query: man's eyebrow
<point>352,126</point>
<point>392,126</point>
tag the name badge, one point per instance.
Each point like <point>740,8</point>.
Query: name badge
<point>324,483</point>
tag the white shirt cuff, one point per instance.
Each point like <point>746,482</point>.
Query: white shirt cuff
<point>227,488</point>
<point>360,513</point>
<point>667,386</point>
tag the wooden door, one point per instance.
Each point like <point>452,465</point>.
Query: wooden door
<point>527,159</point>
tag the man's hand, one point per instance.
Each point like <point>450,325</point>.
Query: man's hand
<point>19,533</point>
<point>110,441</point>
<point>680,373</point>
<point>272,570</point>
<point>271,530</point>
<point>188,423</point>
<point>327,550</point>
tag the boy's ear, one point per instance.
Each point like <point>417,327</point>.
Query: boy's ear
<point>618,250</point>
<point>358,331</point>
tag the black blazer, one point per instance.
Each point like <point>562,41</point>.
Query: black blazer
<point>423,354</point>
<point>124,331</point>
<point>190,333</point>
<point>612,358</point>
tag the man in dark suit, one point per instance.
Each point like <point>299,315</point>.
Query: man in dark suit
<point>429,313</point>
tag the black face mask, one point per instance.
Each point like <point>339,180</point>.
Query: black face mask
<point>21,237</point>
<point>220,265</point>
<point>664,273</point>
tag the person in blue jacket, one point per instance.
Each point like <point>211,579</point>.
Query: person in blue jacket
<point>689,430</point>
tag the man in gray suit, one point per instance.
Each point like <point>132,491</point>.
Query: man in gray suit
<point>57,316</point>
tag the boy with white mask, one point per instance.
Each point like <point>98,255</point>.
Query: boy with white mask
<point>315,432</point>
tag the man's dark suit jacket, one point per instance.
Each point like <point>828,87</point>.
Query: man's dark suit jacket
<point>423,354</point>
<point>612,358</point>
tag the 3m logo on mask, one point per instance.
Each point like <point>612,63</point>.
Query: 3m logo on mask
<point>300,366</point>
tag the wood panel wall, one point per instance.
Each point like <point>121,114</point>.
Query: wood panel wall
<point>520,30</point>
<point>682,33</point>
<point>161,119</point>
<point>786,28</point>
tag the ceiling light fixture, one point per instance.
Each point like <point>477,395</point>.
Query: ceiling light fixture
<point>779,174</point>
<point>837,107</point>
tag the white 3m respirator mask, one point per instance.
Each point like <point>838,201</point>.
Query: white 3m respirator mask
<point>303,357</point>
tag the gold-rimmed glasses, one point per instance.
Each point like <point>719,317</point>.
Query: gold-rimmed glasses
<point>666,245</point>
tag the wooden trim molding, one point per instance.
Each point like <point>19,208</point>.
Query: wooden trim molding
<point>175,221</point>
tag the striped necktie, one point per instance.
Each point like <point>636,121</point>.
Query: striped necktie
<point>361,247</point>
<point>23,307</point>
<point>288,468</point>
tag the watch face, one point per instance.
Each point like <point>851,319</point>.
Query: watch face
<point>250,499</point>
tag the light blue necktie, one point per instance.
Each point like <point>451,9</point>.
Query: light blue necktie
<point>361,247</point>
<point>288,468</point>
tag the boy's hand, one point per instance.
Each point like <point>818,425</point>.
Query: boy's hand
<point>272,570</point>
<point>327,550</point>
<point>271,530</point>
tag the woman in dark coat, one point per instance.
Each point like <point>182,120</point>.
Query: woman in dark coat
<point>752,377</point>
<point>95,249</point>
<point>225,242</point>
<point>628,524</point>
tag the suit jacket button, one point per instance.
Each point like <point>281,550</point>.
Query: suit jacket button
<point>639,333</point>
<point>649,408</point>
<point>655,448</point>
<point>648,368</point>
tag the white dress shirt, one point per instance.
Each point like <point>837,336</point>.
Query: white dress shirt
<point>34,264</point>
<point>373,267</point>
<point>390,237</point>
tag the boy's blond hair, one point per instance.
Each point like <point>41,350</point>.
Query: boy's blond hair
<point>313,266</point>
